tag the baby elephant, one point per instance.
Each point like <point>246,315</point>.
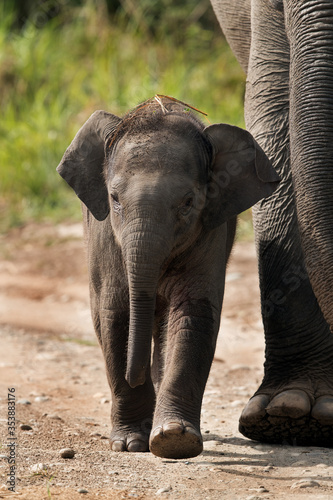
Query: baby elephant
<point>161,193</point>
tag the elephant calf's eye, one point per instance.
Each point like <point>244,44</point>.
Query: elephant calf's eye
<point>115,203</point>
<point>186,206</point>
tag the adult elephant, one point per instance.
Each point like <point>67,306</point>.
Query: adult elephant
<point>286,49</point>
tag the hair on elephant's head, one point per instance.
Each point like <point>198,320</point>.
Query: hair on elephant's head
<point>163,179</point>
<point>162,138</point>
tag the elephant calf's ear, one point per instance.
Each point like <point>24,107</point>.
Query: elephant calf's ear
<point>241,174</point>
<point>82,163</point>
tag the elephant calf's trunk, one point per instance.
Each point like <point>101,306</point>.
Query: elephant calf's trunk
<point>139,340</point>
<point>145,251</point>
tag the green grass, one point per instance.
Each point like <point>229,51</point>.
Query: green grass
<point>53,78</point>
<point>89,343</point>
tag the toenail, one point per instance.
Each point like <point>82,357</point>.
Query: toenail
<point>118,446</point>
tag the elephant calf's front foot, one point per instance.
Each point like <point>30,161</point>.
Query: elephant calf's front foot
<point>175,439</point>
<point>289,417</point>
<point>130,438</point>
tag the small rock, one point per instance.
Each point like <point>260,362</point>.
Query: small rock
<point>95,434</point>
<point>205,465</point>
<point>23,402</point>
<point>38,468</point>
<point>104,401</point>
<point>263,447</point>
<point>262,489</point>
<point>72,433</point>
<point>82,490</point>
<point>25,427</point>
<point>41,399</point>
<point>53,417</point>
<point>239,367</point>
<point>238,402</point>
<point>305,483</point>
<point>233,276</point>
<point>67,453</point>
<point>212,443</point>
<point>163,490</point>
<point>98,395</point>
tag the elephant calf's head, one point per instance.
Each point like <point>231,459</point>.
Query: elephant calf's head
<point>162,142</point>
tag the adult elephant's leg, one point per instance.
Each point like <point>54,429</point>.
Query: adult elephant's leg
<point>294,402</point>
<point>234,17</point>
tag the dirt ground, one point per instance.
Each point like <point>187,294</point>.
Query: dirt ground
<point>52,367</point>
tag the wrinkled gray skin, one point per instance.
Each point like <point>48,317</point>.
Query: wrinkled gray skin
<point>159,224</point>
<point>286,49</point>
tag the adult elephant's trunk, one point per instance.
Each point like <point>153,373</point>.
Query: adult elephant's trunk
<point>310,25</point>
<point>145,250</point>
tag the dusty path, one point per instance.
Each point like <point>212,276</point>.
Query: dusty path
<point>50,357</point>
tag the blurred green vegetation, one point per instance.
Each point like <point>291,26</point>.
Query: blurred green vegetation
<point>61,60</point>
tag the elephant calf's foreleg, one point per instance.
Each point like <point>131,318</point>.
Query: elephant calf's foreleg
<point>190,350</point>
<point>132,409</point>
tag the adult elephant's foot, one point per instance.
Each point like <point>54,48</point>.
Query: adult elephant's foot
<point>133,438</point>
<point>294,416</point>
<point>175,439</point>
